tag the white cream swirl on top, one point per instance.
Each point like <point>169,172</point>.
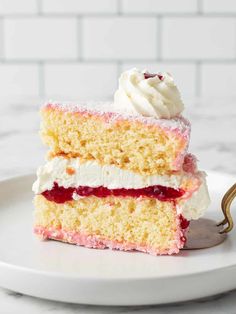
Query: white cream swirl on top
<point>151,95</point>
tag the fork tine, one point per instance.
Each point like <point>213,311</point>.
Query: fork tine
<point>222,222</point>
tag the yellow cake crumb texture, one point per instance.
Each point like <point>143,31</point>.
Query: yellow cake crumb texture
<point>134,146</point>
<point>144,221</point>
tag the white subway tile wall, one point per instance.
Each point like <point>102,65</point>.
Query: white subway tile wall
<point>198,38</point>
<point>40,38</point>
<point>76,49</point>
<point>159,6</point>
<point>79,6</point>
<point>218,79</point>
<point>19,80</point>
<point>219,6</point>
<point>18,7</point>
<point>78,80</point>
<point>119,38</point>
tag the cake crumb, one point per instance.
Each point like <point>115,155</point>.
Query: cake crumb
<point>70,171</point>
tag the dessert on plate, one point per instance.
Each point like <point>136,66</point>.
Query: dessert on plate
<point>119,175</point>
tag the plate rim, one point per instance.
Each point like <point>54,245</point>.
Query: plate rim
<point>106,287</point>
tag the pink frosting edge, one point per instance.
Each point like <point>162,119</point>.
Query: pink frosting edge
<point>179,126</point>
<point>99,242</point>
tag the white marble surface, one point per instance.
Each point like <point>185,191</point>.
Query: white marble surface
<point>213,141</point>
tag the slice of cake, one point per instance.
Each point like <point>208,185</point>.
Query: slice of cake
<point>118,175</point>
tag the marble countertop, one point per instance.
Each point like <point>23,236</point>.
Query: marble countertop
<point>213,141</point>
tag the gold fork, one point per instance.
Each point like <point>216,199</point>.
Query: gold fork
<point>225,206</point>
<point>206,233</point>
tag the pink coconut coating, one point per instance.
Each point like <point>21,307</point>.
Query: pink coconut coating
<point>99,242</point>
<point>177,126</point>
<point>190,163</point>
<point>109,113</point>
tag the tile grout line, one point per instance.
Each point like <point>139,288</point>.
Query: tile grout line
<point>119,7</point>
<point>39,7</point>
<point>3,51</point>
<point>198,82</point>
<point>159,38</point>
<point>41,67</point>
<point>199,7</point>
<point>79,31</point>
<point>235,40</point>
<point>119,68</point>
<point>107,61</point>
<point>111,15</point>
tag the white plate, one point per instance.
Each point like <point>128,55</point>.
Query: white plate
<point>63,272</point>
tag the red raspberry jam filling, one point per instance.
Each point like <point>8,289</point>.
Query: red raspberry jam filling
<point>184,223</point>
<point>150,75</point>
<point>59,194</point>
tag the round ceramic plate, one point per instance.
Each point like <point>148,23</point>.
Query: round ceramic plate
<point>63,272</point>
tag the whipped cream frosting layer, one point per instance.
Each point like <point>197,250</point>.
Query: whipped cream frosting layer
<point>195,206</point>
<point>70,172</point>
<point>151,95</point>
